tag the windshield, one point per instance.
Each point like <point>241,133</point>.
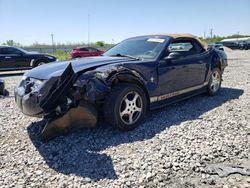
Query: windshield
<point>145,48</point>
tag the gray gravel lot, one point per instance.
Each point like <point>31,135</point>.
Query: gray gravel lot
<point>175,147</point>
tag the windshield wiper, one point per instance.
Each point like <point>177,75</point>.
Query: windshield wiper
<point>124,55</point>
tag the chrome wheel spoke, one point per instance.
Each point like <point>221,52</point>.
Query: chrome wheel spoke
<point>137,109</point>
<point>127,102</point>
<point>135,98</point>
<point>124,112</point>
<point>131,118</point>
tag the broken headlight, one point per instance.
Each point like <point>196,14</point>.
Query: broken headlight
<point>36,83</point>
<point>31,84</point>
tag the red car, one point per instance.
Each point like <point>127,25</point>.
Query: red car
<point>85,52</point>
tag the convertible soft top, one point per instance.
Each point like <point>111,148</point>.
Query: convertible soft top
<point>180,35</point>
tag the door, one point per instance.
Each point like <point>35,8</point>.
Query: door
<point>93,52</point>
<point>6,59</point>
<point>184,71</point>
<point>84,52</point>
<point>20,58</point>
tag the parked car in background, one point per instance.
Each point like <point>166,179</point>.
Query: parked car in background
<point>244,45</point>
<point>13,58</point>
<point>85,52</point>
<point>241,45</point>
<point>232,45</point>
<point>216,45</point>
<point>138,74</point>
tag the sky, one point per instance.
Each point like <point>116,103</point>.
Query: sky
<point>29,21</point>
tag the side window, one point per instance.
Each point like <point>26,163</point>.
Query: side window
<point>185,47</point>
<point>92,50</point>
<point>84,49</point>
<point>180,47</point>
<point>11,51</point>
<point>4,51</point>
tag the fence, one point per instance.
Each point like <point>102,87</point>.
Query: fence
<point>49,50</point>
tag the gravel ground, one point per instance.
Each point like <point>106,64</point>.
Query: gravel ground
<point>173,148</point>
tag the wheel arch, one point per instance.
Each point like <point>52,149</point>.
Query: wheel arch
<point>216,61</point>
<point>133,79</point>
<point>34,62</point>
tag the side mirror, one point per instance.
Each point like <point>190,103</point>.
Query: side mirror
<point>172,56</point>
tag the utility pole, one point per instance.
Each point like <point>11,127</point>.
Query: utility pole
<point>52,40</point>
<point>204,37</point>
<point>88,31</point>
<point>211,33</point>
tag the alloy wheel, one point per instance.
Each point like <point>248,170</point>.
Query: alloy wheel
<point>215,82</point>
<point>131,108</point>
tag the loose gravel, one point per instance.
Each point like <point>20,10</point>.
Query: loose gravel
<point>173,148</point>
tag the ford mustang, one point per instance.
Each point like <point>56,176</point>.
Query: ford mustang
<point>133,77</point>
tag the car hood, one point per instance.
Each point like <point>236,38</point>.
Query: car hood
<point>38,54</point>
<point>44,72</point>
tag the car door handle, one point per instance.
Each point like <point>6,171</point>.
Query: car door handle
<point>7,57</point>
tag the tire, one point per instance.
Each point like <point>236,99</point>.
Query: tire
<point>125,107</point>
<point>214,82</point>
<point>40,62</point>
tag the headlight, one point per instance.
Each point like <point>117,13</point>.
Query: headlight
<point>24,77</point>
<point>101,75</point>
<point>36,81</point>
<point>50,57</point>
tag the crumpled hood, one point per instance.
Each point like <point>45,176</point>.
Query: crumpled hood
<point>44,72</point>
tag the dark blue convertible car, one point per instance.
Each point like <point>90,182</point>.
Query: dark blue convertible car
<point>136,75</point>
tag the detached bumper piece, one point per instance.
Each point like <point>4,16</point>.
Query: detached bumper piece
<point>83,116</point>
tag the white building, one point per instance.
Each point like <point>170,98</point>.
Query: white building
<point>246,39</point>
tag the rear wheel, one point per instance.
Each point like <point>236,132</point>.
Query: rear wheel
<point>214,82</point>
<point>126,106</point>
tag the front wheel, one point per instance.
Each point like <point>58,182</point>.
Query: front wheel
<point>40,62</point>
<point>126,106</point>
<point>214,82</point>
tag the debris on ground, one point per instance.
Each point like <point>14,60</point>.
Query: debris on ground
<point>83,116</point>
<point>224,170</point>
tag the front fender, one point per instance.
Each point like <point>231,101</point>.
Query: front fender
<point>95,85</point>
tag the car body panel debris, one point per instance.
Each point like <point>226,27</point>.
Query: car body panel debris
<point>224,170</point>
<point>83,116</point>
<point>158,70</point>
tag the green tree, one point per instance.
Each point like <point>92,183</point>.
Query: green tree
<point>11,43</point>
<point>99,43</point>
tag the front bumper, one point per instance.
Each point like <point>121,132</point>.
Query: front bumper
<point>28,102</point>
<point>41,97</point>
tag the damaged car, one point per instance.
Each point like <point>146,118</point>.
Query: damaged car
<point>137,75</point>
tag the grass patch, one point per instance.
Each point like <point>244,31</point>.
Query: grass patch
<point>62,55</point>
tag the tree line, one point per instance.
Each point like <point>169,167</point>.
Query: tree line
<point>102,44</point>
